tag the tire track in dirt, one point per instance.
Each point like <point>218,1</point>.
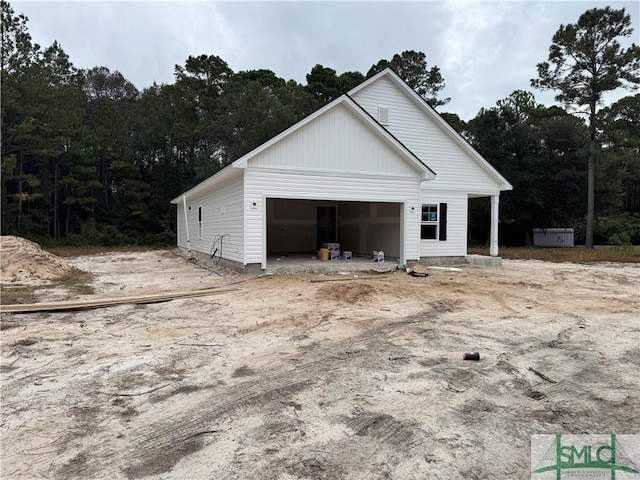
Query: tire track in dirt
<point>155,450</point>
<point>159,445</point>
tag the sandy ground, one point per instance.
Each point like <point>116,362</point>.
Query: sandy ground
<point>290,379</point>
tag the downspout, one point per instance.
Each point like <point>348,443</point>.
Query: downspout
<point>186,224</point>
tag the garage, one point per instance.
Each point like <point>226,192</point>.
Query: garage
<point>300,227</point>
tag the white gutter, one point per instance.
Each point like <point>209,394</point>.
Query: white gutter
<point>186,224</point>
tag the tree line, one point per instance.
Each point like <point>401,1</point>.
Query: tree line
<point>87,158</point>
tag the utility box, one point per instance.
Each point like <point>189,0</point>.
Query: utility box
<point>553,237</point>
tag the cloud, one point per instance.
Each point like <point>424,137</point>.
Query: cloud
<point>485,49</point>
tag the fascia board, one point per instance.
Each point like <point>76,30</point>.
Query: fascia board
<point>214,179</point>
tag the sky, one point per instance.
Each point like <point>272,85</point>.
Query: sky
<point>485,49</point>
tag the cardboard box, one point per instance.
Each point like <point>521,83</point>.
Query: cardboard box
<point>378,256</point>
<point>333,255</point>
<point>346,255</point>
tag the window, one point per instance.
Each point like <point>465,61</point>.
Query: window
<point>429,222</point>
<point>199,222</point>
<point>433,223</point>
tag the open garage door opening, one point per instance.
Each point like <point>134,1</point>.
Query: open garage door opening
<point>301,227</point>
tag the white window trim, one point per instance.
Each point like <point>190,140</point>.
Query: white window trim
<point>200,222</point>
<point>435,223</point>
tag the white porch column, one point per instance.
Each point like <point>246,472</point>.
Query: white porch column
<point>493,244</point>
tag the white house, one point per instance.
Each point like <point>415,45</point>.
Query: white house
<point>376,169</point>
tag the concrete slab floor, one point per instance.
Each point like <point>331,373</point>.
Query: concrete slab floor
<point>311,264</point>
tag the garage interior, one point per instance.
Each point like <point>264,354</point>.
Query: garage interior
<point>300,227</point>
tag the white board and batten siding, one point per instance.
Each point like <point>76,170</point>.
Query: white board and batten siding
<point>455,169</point>
<point>222,214</point>
<point>338,141</point>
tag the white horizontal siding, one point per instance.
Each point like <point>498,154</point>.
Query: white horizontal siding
<point>335,141</point>
<point>457,220</point>
<point>455,169</point>
<point>222,213</point>
<point>261,183</point>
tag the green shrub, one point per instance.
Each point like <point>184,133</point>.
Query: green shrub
<point>617,229</point>
<point>622,238</point>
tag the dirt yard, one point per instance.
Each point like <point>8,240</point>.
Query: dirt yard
<point>289,378</point>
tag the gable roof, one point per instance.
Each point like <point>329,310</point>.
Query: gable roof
<point>433,115</point>
<point>357,110</point>
<point>347,101</point>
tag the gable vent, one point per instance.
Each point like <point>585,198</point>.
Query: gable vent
<point>383,115</point>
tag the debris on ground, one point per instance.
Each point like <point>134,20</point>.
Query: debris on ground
<point>413,273</point>
<point>445,269</point>
<point>417,270</point>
